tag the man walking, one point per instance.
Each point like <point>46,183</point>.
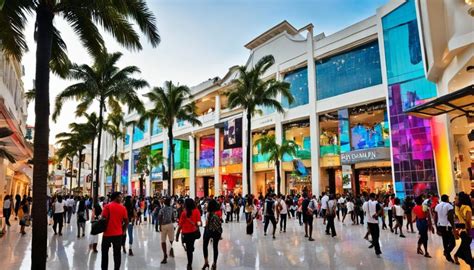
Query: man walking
<point>444,220</point>
<point>269,213</point>
<point>166,220</point>
<point>117,220</point>
<point>324,206</point>
<point>307,208</point>
<point>372,212</point>
<point>283,210</point>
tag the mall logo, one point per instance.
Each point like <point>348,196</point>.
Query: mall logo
<point>365,155</point>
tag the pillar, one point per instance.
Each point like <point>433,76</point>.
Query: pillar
<point>130,162</point>
<point>313,117</point>
<point>217,162</point>
<point>192,166</point>
<point>244,158</point>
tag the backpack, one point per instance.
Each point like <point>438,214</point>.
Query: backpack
<point>269,208</point>
<point>214,224</point>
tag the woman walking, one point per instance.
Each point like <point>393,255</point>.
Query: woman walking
<point>423,224</point>
<point>250,215</point>
<point>95,215</point>
<point>7,209</point>
<point>213,230</point>
<point>24,215</point>
<point>81,217</point>
<point>463,212</point>
<point>399,213</point>
<point>189,223</point>
<point>131,218</point>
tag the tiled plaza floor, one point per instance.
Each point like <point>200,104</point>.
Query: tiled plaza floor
<point>289,250</point>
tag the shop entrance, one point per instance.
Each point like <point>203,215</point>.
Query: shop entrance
<point>208,186</point>
<point>376,180</point>
<point>232,184</point>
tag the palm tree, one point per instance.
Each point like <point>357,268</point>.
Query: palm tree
<point>83,16</point>
<point>108,84</point>
<point>89,131</point>
<point>268,145</point>
<point>250,92</point>
<point>110,165</point>
<point>114,127</point>
<point>73,144</point>
<point>170,105</point>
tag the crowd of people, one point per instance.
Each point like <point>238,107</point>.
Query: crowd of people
<point>180,218</point>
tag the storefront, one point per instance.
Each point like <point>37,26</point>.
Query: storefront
<point>205,166</point>
<point>264,170</point>
<point>156,174</point>
<point>355,150</point>
<point>459,107</point>
<point>231,157</point>
<point>297,170</point>
<point>181,184</point>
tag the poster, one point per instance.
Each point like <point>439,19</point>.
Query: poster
<point>233,133</point>
<point>206,152</point>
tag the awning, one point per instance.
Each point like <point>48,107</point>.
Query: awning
<point>458,103</point>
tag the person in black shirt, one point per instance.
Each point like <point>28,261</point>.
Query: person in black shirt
<point>269,213</point>
<point>307,208</point>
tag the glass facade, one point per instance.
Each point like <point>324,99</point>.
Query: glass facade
<point>156,171</point>
<point>155,127</point>
<point>126,140</point>
<point>181,154</point>
<point>139,134</point>
<point>298,80</point>
<point>299,133</point>
<point>257,156</point>
<point>413,157</point>
<point>125,172</point>
<point>348,71</point>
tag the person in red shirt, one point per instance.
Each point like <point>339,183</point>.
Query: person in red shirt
<point>423,224</point>
<point>188,225</point>
<point>117,220</point>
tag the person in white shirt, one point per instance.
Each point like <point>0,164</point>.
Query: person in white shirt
<point>7,209</point>
<point>372,211</point>
<point>283,209</point>
<point>70,203</point>
<point>350,210</point>
<point>324,201</point>
<point>444,220</point>
<point>58,214</point>
<point>399,213</point>
<point>342,207</point>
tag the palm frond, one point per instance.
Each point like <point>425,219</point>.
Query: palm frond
<point>13,19</point>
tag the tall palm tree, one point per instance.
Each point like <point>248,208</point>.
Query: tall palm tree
<point>268,145</point>
<point>108,84</point>
<point>114,127</point>
<point>89,131</point>
<point>171,103</point>
<point>250,92</point>
<point>82,16</point>
<point>73,143</point>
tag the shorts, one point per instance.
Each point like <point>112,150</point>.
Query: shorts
<point>167,230</point>
<point>308,219</point>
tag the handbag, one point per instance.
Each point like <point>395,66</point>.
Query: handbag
<point>25,221</point>
<point>196,234</point>
<point>99,226</point>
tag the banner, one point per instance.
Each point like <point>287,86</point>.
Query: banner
<point>233,133</point>
<point>125,172</point>
<point>206,152</point>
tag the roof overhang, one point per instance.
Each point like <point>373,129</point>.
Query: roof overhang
<point>14,144</point>
<point>284,26</point>
<point>457,104</point>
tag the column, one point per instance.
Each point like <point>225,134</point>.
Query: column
<point>130,162</point>
<point>244,157</point>
<point>217,149</point>
<point>313,118</point>
<point>217,162</point>
<point>147,136</point>
<point>166,149</point>
<point>192,166</point>
<point>279,140</point>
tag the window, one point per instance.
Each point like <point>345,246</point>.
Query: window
<point>348,71</point>
<point>139,134</point>
<point>298,80</point>
<point>156,128</point>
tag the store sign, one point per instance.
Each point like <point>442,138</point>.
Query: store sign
<point>365,155</point>
<point>156,176</point>
<point>204,171</point>
<point>330,161</point>
<point>263,166</point>
<point>181,173</point>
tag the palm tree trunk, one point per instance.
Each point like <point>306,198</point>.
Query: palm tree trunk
<point>97,164</point>
<point>114,172</point>
<point>277,167</point>
<point>44,23</point>
<point>248,147</point>
<point>79,172</point>
<point>92,166</point>
<point>141,184</point>
<point>170,158</point>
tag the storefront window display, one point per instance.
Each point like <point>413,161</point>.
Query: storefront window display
<point>265,182</point>
<point>298,184</point>
<point>181,186</point>
<point>329,137</point>
<point>156,173</point>
<point>257,155</point>
<point>299,133</point>
<point>369,126</point>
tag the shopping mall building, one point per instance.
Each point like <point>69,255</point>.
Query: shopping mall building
<point>384,105</point>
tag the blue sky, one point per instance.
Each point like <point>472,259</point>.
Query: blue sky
<point>201,39</point>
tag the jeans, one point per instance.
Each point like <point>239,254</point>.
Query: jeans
<point>69,214</point>
<point>390,219</point>
<point>188,240</point>
<point>58,219</point>
<point>115,241</point>
<point>283,222</point>
<point>449,242</point>
<point>464,250</point>
<point>130,236</point>
<point>330,225</point>
<point>215,244</point>
<point>6,213</point>
<point>266,220</point>
<point>422,226</point>
<point>375,233</point>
